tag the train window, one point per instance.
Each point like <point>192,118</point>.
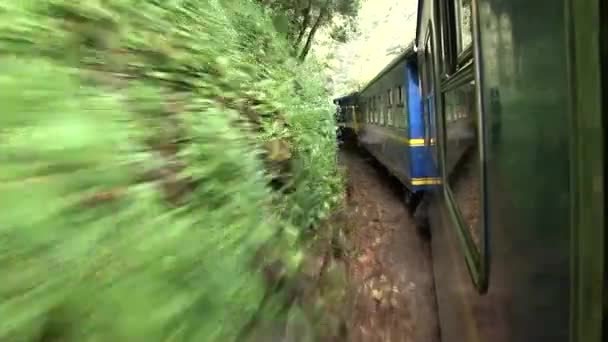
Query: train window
<point>373,113</point>
<point>390,120</point>
<point>372,109</point>
<point>382,110</point>
<point>462,158</point>
<point>375,109</point>
<point>378,109</point>
<point>464,25</point>
<point>398,95</point>
<point>449,112</point>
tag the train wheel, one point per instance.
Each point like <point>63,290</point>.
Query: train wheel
<point>418,207</point>
<point>412,200</point>
<point>421,218</point>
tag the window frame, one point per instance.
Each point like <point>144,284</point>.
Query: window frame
<point>389,111</point>
<point>399,91</point>
<point>461,50</point>
<point>453,57</point>
<point>381,112</point>
<point>460,67</point>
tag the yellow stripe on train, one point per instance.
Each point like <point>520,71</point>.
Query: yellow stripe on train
<point>426,181</point>
<point>419,142</point>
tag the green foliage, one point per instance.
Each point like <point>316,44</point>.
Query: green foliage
<point>301,19</point>
<point>134,143</point>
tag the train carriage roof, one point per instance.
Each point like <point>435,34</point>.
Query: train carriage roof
<point>345,97</point>
<point>409,52</point>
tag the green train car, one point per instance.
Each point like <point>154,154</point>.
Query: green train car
<point>515,95</point>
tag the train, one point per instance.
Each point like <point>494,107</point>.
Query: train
<point>495,116</point>
<point>386,118</point>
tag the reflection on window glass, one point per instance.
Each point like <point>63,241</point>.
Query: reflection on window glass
<point>463,10</point>
<point>462,156</point>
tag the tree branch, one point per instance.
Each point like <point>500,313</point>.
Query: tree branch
<point>305,23</point>
<point>314,29</point>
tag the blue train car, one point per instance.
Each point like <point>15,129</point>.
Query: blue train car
<point>391,123</point>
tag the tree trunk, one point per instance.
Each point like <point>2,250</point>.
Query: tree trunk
<point>305,23</point>
<point>313,31</point>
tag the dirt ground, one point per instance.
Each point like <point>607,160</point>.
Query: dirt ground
<point>389,264</point>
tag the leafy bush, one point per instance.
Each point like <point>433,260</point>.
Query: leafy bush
<point>138,142</point>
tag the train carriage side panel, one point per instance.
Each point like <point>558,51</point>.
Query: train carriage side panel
<point>423,175</point>
<point>521,279</point>
<point>383,131</point>
<point>396,149</point>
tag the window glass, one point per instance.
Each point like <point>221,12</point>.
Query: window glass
<point>462,157</point>
<point>400,94</point>
<point>374,109</point>
<point>382,109</point>
<point>389,111</point>
<point>463,20</point>
<point>375,116</point>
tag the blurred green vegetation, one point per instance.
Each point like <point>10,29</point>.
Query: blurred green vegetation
<point>156,157</point>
